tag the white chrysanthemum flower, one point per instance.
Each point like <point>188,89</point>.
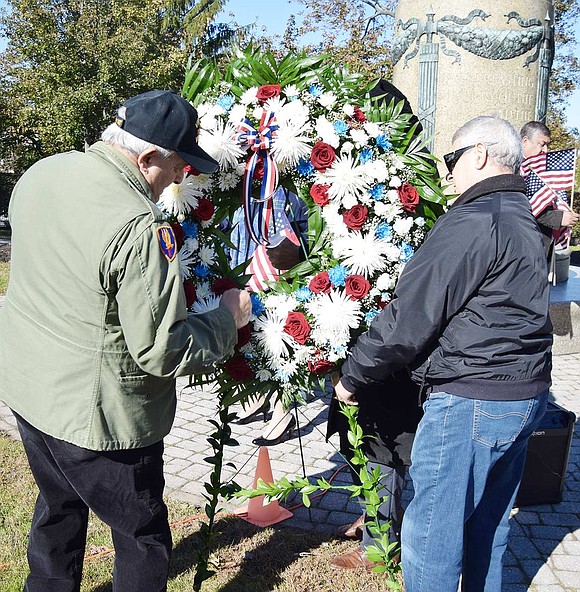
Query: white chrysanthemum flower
<point>201,305</point>
<point>186,262</point>
<point>334,315</point>
<point>385,282</point>
<point>364,254</point>
<point>392,211</point>
<point>291,91</point>
<point>374,292</point>
<point>393,252</point>
<point>228,180</point>
<point>281,304</point>
<point>240,168</point>
<point>200,182</point>
<point>372,129</point>
<point>249,96</point>
<point>350,200</point>
<point>346,179</point>
<point>203,290</point>
<point>208,111</point>
<point>393,196</point>
<point>237,114</point>
<point>270,334</point>
<point>334,220</point>
<point>302,353</point>
<point>286,370</point>
<point>381,209</point>
<point>348,110</point>
<point>326,131</point>
<point>263,375</point>
<point>257,112</point>
<point>179,198</point>
<point>402,226</point>
<point>327,99</point>
<point>275,104</point>
<point>395,181</point>
<point>377,170</point>
<point>207,255</point>
<point>359,137</point>
<point>347,148</point>
<point>291,143</point>
<point>221,144</point>
<point>190,245</point>
<point>398,163</point>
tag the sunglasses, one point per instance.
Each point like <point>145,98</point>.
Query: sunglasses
<point>452,157</point>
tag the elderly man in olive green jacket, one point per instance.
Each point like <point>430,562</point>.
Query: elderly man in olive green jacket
<point>92,335</point>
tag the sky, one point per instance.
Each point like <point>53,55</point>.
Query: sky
<point>274,22</point>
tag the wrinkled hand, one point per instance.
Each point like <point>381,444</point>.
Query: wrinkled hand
<point>570,218</point>
<point>285,255</point>
<point>343,395</point>
<point>239,304</point>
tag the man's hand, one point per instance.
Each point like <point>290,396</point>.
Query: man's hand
<point>570,218</point>
<point>343,395</point>
<point>239,304</point>
<point>285,255</point>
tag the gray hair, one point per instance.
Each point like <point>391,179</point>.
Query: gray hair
<point>119,137</point>
<point>503,142</point>
<point>532,128</point>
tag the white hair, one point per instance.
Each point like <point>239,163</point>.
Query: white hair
<point>117,136</point>
<point>504,145</point>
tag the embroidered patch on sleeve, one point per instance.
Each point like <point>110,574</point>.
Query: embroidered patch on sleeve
<point>167,242</point>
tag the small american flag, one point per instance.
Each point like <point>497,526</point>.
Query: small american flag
<point>261,268</point>
<point>546,174</point>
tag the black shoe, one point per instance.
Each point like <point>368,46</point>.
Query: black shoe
<point>285,435</point>
<point>263,410</point>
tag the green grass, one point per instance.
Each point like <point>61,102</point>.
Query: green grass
<point>5,233</point>
<point>4,275</point>
<point>249,559</point>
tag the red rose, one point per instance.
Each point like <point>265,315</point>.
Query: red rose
<point>409,197</point>
<point>267,92</point>
<point>320,283</point>
<point>297,326</point>
<point>355,217</point>
<point>319,365</point>
<point>359,115</point>
<point>221,285</point>
<point>244,335</point>
<point>189,170</point>
<point>322,156</point>
<point>190,293</point>
<point>259,169</point>
<point>356,286</point>
<point>319,194</point>
<point>179,234</point>
<point>383,304</point>
<point>238,368</point>
<point>204,210</point>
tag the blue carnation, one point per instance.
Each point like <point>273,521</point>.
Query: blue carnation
<point>226,102</point>
<point>341,127</point>
<point>340,350</point>
<point>201,271</point>
<point>257,305</point>
<point>406,252</point>
<point>365,155</point>
<point>303,294</point>
<point>384,231</point>
<point>370,315</point>
<point>337,275</point>
<point>377,191</point>
<point>383,142</point>
<point>305,167</point>
<point>190,228</point>
<point>315,90</point>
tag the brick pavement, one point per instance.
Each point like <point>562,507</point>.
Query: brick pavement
<point>544,544</point>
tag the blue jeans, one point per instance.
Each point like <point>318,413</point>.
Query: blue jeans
<point>467,463</point>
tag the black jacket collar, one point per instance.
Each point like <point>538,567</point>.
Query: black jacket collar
<point>508,182</point>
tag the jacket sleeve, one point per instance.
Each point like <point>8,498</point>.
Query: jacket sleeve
<point>160,335</point>
<point>551,218</point>
<point>434,286</point>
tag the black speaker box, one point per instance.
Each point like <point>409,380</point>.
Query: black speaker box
<point>547,458</point>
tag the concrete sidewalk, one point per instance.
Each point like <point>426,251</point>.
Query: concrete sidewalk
<point>544,545</point>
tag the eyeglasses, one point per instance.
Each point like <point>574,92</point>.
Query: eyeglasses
<point>452,158</point>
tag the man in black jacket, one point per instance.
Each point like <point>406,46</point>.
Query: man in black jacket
<point>470,316</point>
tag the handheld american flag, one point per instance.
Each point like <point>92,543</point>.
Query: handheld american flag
<point>546,174</point>
<point>261,268</point>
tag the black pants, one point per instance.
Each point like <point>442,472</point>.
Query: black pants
<point>123,488</point>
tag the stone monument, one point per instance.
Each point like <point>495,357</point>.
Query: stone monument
<point>456,60</point>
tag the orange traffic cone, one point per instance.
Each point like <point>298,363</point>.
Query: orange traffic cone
<point>257,512</point>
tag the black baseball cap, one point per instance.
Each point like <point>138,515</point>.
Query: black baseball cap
<point>166,120</point>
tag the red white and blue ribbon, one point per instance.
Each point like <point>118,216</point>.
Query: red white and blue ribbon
<point>259,142</point>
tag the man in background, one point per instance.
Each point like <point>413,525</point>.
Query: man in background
<point>94,332</point>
